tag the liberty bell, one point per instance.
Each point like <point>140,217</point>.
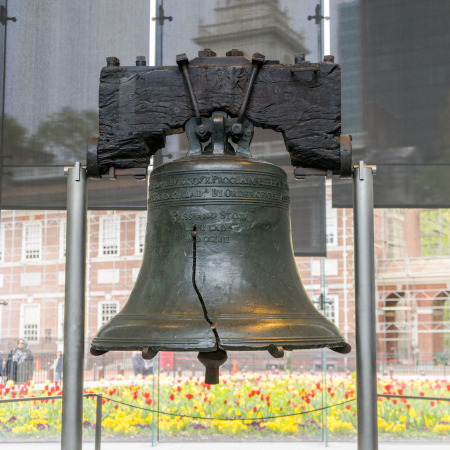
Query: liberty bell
<point>218,271</point>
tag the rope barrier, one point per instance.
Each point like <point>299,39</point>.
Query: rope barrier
<point>227,419</point>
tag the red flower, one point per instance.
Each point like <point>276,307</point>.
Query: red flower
<point>448,387</point>
<point>332,394</point>
<point>236,402</point>
<point>268,403</point>
<point>116,406</point>
<point>254,409</point>
<point>318,385</point>
<point>267,398</point>
<point>189,396</point>
<point>103,401</point>
<point>179,388</point>
<point>205,399</point>
<point>328,389</point>
<point>400,391</point>
<point>171,396</point>
<point>149,401</point>
<point>394,401</point>
<point>421,394</point>
<point>262,396</point>
<point>354,414</point>
<point>408,405</point>
<point>307,400</point>
<point>13,394</point>
<point>432,403</point>
<point>347,407</point>
<point>224,402</point>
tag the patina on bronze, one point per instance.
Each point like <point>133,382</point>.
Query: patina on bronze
<point>218,271</point>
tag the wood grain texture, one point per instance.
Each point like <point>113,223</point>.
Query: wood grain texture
<point>139,106</point>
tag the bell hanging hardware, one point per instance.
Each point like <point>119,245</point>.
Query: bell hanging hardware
<point>218,271</point>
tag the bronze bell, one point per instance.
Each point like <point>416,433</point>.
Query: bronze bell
<point>218,271</point>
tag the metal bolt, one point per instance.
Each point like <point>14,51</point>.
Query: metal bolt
<point>299,57</point>
<point>193,234</point>
<point>206,53</point>
<point>182,59</point>
<point>112,61</point>
<point>258,58</point>
<point>235,52</point>
<point>237,129</point>
<point>328,58</point>
<point>201,131</point>
<point>140,61</point>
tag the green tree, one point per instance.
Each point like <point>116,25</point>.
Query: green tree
<point>64,134</point>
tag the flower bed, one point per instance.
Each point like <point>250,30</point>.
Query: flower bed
<point>249,398</point>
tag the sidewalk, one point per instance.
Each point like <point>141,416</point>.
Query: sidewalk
<point>228,445</point>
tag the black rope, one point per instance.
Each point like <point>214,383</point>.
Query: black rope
<point>227,419</point>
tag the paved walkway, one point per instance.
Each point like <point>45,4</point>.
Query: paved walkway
<point>234,445</point>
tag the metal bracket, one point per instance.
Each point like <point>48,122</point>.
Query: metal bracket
<point>345,159</point>
<point>139,173</point>
<point>219,138</point>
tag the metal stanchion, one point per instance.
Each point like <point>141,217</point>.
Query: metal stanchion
<point>98,423</point>
<point>366,370</point>
<point>74,311</point>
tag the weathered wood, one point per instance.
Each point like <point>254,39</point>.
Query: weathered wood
<point>139,106</point>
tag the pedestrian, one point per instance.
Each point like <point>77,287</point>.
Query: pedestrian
<point>58,365</point>
<point>20,363</point>
<point>138,363</point>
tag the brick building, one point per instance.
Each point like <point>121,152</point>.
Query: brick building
<point>413,289</point>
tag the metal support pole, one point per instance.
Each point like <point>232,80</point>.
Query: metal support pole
<point>366,370</point>
<point>72,407</point>
<point>98,423</point>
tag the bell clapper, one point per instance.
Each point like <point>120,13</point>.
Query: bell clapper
<point>212,361</point>
<point>347,348</point>
<point>148,353</point>
<point>276,352</point>
<point>94,352</point>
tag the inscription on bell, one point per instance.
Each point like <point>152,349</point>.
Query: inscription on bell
<point>208,180</point>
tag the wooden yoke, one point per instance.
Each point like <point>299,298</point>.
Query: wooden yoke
<point>140,105</point>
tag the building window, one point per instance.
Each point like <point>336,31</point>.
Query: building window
<point>141,223</point>
<point>32,240</point>
<point>62,238</point>
<point>30,323</point>
<point>48,335</point>
<point>60,321</point>
<point>106,311</point>
<point>330,308</point>
<point>109,236</point>
<point>331,228</point>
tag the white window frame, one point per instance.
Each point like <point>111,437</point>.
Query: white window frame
<point>60,330</point>
<point>331,224</point>
<point>2,244</point>
<point>23,306</point>
<point>335,299</point>
<point>100,235</point>
<point>137,234</point>
<point>24,233</point>
<point>100,307</point>
<point>62,238</point>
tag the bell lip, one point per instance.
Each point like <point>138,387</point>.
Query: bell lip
<point>223,346</point>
